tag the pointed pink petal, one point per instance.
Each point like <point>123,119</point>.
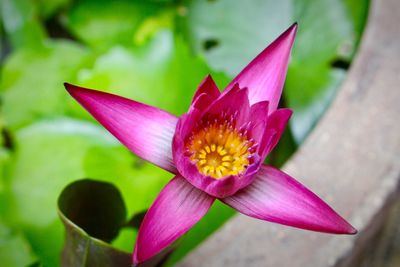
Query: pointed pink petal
<point>235,101</point>
<point>258,120</point>
<point>265,75</point>
<point>276,125</point>
<point>145,130</point>
<point>177,208</point>
<point>208,87</point>
<point>276,197</point>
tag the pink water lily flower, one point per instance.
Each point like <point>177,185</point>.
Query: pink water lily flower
<point>216,151</point>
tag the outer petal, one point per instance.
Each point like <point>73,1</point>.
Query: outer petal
<point>276,197</point>
<point>265,75</point>
<point>177,208</point>
<point>147,131</point>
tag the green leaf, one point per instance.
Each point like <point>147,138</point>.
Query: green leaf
<point>14,249</point>
<point>108,22</point>
<point>32,81</point>
<point>92,213</point>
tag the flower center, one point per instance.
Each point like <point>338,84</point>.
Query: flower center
<point>219,150</point>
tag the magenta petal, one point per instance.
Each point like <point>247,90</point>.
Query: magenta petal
<point>234,102</point>
<point>265,75</point>
<point>258,120</point>
<point>147,131</point>
<point>276,125</point>
<point>276,197</point>
<point>207,87</point>
<point>177,208</point>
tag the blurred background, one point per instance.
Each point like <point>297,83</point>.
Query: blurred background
<point>156,52</point>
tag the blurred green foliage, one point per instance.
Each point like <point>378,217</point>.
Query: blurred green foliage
<point>156,52</point>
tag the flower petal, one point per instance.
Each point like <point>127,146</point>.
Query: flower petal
<point>147,131</point>
<point>234,103</point>
<point>177,208</point>
<point>265,75</point>
<point>276,125</point>
<point>276,197</point>
<point>258,120</point>
<point>208,87</point>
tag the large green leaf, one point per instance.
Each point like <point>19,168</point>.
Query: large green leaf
<point>32,81</point>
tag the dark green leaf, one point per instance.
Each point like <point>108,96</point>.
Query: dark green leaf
<point>89,206</point>
<point>96,207</point>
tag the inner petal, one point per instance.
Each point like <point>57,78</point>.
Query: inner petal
<point>218,149</point>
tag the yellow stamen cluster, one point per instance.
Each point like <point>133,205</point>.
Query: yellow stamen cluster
<point>219,150</point>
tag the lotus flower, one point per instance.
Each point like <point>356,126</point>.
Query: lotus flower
<point>216,151</point>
